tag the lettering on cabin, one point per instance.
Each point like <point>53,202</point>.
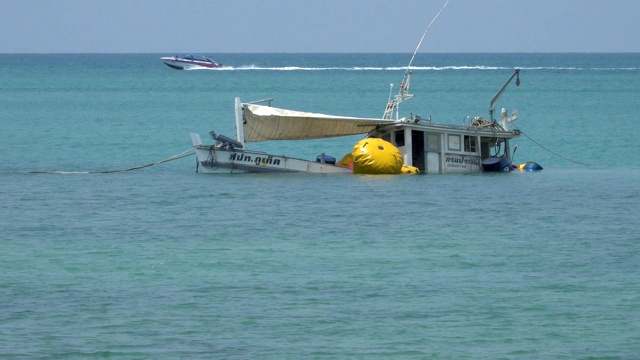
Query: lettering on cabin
<point>461,162</point>
<point>258,160</point>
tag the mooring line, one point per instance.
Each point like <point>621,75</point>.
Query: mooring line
<point>172,158</point>
<point>552,152</point>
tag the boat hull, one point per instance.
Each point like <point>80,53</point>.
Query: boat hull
<point>185,64</point>
<point>216,160</point>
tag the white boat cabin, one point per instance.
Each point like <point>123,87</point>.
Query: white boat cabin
<point>437,148</point>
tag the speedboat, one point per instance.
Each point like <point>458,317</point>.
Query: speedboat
<point>190,61</point>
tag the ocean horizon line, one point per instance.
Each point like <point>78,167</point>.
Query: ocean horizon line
<point>324,53</point>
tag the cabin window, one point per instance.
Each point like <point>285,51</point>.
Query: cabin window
<point>399,138</point>
<point>433,142</point>
<point>454,142</point>
<point>470,144</point>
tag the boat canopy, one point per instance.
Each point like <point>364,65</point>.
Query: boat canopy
<point>263,123</point>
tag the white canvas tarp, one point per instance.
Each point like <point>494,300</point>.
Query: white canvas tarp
<point>263,123</point>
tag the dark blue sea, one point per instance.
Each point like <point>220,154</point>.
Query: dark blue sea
<point>166,263</point>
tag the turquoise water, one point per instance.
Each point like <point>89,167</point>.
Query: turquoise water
<point>163,262</point>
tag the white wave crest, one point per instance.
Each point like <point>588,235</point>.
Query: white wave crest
<point>413,68</point>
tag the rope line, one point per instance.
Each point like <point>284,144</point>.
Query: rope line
<point>172,158</point>
<point>552,152</point>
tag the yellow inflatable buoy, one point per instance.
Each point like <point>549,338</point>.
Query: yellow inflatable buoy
<point>376,156</point>
<point>407,169</point>
<point>347,161</point>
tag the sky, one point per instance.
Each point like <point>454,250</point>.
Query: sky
<point>317,26</point>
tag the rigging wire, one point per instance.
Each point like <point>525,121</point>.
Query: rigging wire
<point>172,158</point>
<point>403,91</point>
<point>424,35</point>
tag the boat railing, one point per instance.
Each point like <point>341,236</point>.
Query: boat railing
<point>268,101</point>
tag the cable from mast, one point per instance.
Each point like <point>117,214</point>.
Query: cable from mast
<point>425,33</point>
<point>403,92</point>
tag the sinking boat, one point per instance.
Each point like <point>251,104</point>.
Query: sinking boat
<point>482,145</point>
<point>189,62</point>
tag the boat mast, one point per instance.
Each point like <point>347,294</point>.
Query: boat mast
<point>403,92</point>
<point>239,121</point>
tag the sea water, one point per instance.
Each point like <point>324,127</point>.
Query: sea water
<point>166,263</point>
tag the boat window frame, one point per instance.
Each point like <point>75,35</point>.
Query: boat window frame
<point>432,139</point>
<point>470,144</point>
<point>453,142</point>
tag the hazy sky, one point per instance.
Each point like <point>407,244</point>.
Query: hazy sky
<point>290,26</point>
